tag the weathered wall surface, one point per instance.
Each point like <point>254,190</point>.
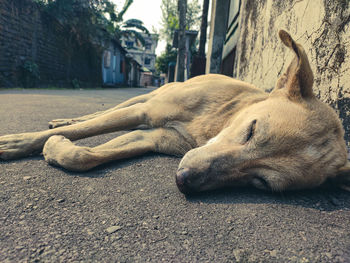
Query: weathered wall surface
<point>321,26</point>
<point>27,35</point>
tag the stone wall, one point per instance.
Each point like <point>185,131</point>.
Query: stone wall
<point>27,34</point>
<point>321,26</point>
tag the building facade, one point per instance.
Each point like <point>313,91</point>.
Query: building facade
<point>113,64</point>
<point>144,55</point>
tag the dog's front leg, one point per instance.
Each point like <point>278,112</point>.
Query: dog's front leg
<point>65,122</point>
<point>20,145</point>
<point>60,151</point>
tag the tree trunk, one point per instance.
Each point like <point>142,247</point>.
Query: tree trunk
<point>181,55</point>
<point>204,25</point>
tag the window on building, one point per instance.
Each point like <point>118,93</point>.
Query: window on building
<point>129,44</point>
<point>147,61</point>
<point>107,59</point>
<point>148,46</point>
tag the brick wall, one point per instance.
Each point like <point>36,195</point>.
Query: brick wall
<point>26,34</point>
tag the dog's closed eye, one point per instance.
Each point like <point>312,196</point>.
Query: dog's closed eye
<point>261,183</point>
<point>251,131</point>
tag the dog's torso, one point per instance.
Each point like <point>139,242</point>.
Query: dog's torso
<point>201,107</point>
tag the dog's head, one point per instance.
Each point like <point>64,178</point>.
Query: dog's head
<point>289,141</point>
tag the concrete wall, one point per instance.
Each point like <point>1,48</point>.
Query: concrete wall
<point>26,34</point>
<point>321,26</point>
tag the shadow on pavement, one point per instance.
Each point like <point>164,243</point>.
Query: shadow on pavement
<point>324,198</point>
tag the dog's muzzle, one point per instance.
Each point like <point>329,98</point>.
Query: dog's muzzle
<point>182,180</point>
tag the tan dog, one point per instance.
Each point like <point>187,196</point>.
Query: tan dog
<point>229,132</point>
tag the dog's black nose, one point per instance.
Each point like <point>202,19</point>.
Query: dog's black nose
<point>181,179</point>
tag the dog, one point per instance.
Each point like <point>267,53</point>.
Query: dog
<point>229,133</point>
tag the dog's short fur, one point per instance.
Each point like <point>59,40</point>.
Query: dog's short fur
<point>229,132</point>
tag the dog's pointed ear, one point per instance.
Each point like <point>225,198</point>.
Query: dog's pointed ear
<point>342,178</point>
<point>299,77</point>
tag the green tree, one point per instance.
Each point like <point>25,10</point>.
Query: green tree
<point>170,18</point>
<point>162,61</point>
<point>132,28</point>
<point>170,23</point>
<point>90,22</point>
<point>193,15</point>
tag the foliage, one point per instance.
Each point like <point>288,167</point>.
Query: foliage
<point>76,83</point>
<point>193,15</point>
<point>136,24</point>
<point>170,23</point>
<point>170,18</point>
<point>131,27</point>
<point>83,19</point>
<point>29,74</point>
<point>92,20</point>
<point>128,31</point>
<point>89,24</point>
<point>162,61</point>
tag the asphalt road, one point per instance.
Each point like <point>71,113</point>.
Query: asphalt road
<point>131,210</point>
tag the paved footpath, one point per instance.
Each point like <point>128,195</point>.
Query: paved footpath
<point>131,210</point>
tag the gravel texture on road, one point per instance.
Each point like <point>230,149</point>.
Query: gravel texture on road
<point>132,211</point>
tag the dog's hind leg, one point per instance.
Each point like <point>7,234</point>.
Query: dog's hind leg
<point>60,151</point>
<point>65,122</point>
<point>21,145</point>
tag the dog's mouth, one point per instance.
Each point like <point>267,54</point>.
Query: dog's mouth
<point>190,181</point>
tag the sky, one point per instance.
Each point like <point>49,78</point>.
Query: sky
<point>149,12</point>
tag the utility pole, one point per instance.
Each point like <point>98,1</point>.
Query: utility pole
<point>204,25</point>
<point>181,55</point>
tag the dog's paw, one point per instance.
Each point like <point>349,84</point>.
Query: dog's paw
<point>51,150</point>
<point>60,122</point>
<point>16,146</point>
<point>60,151</point>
